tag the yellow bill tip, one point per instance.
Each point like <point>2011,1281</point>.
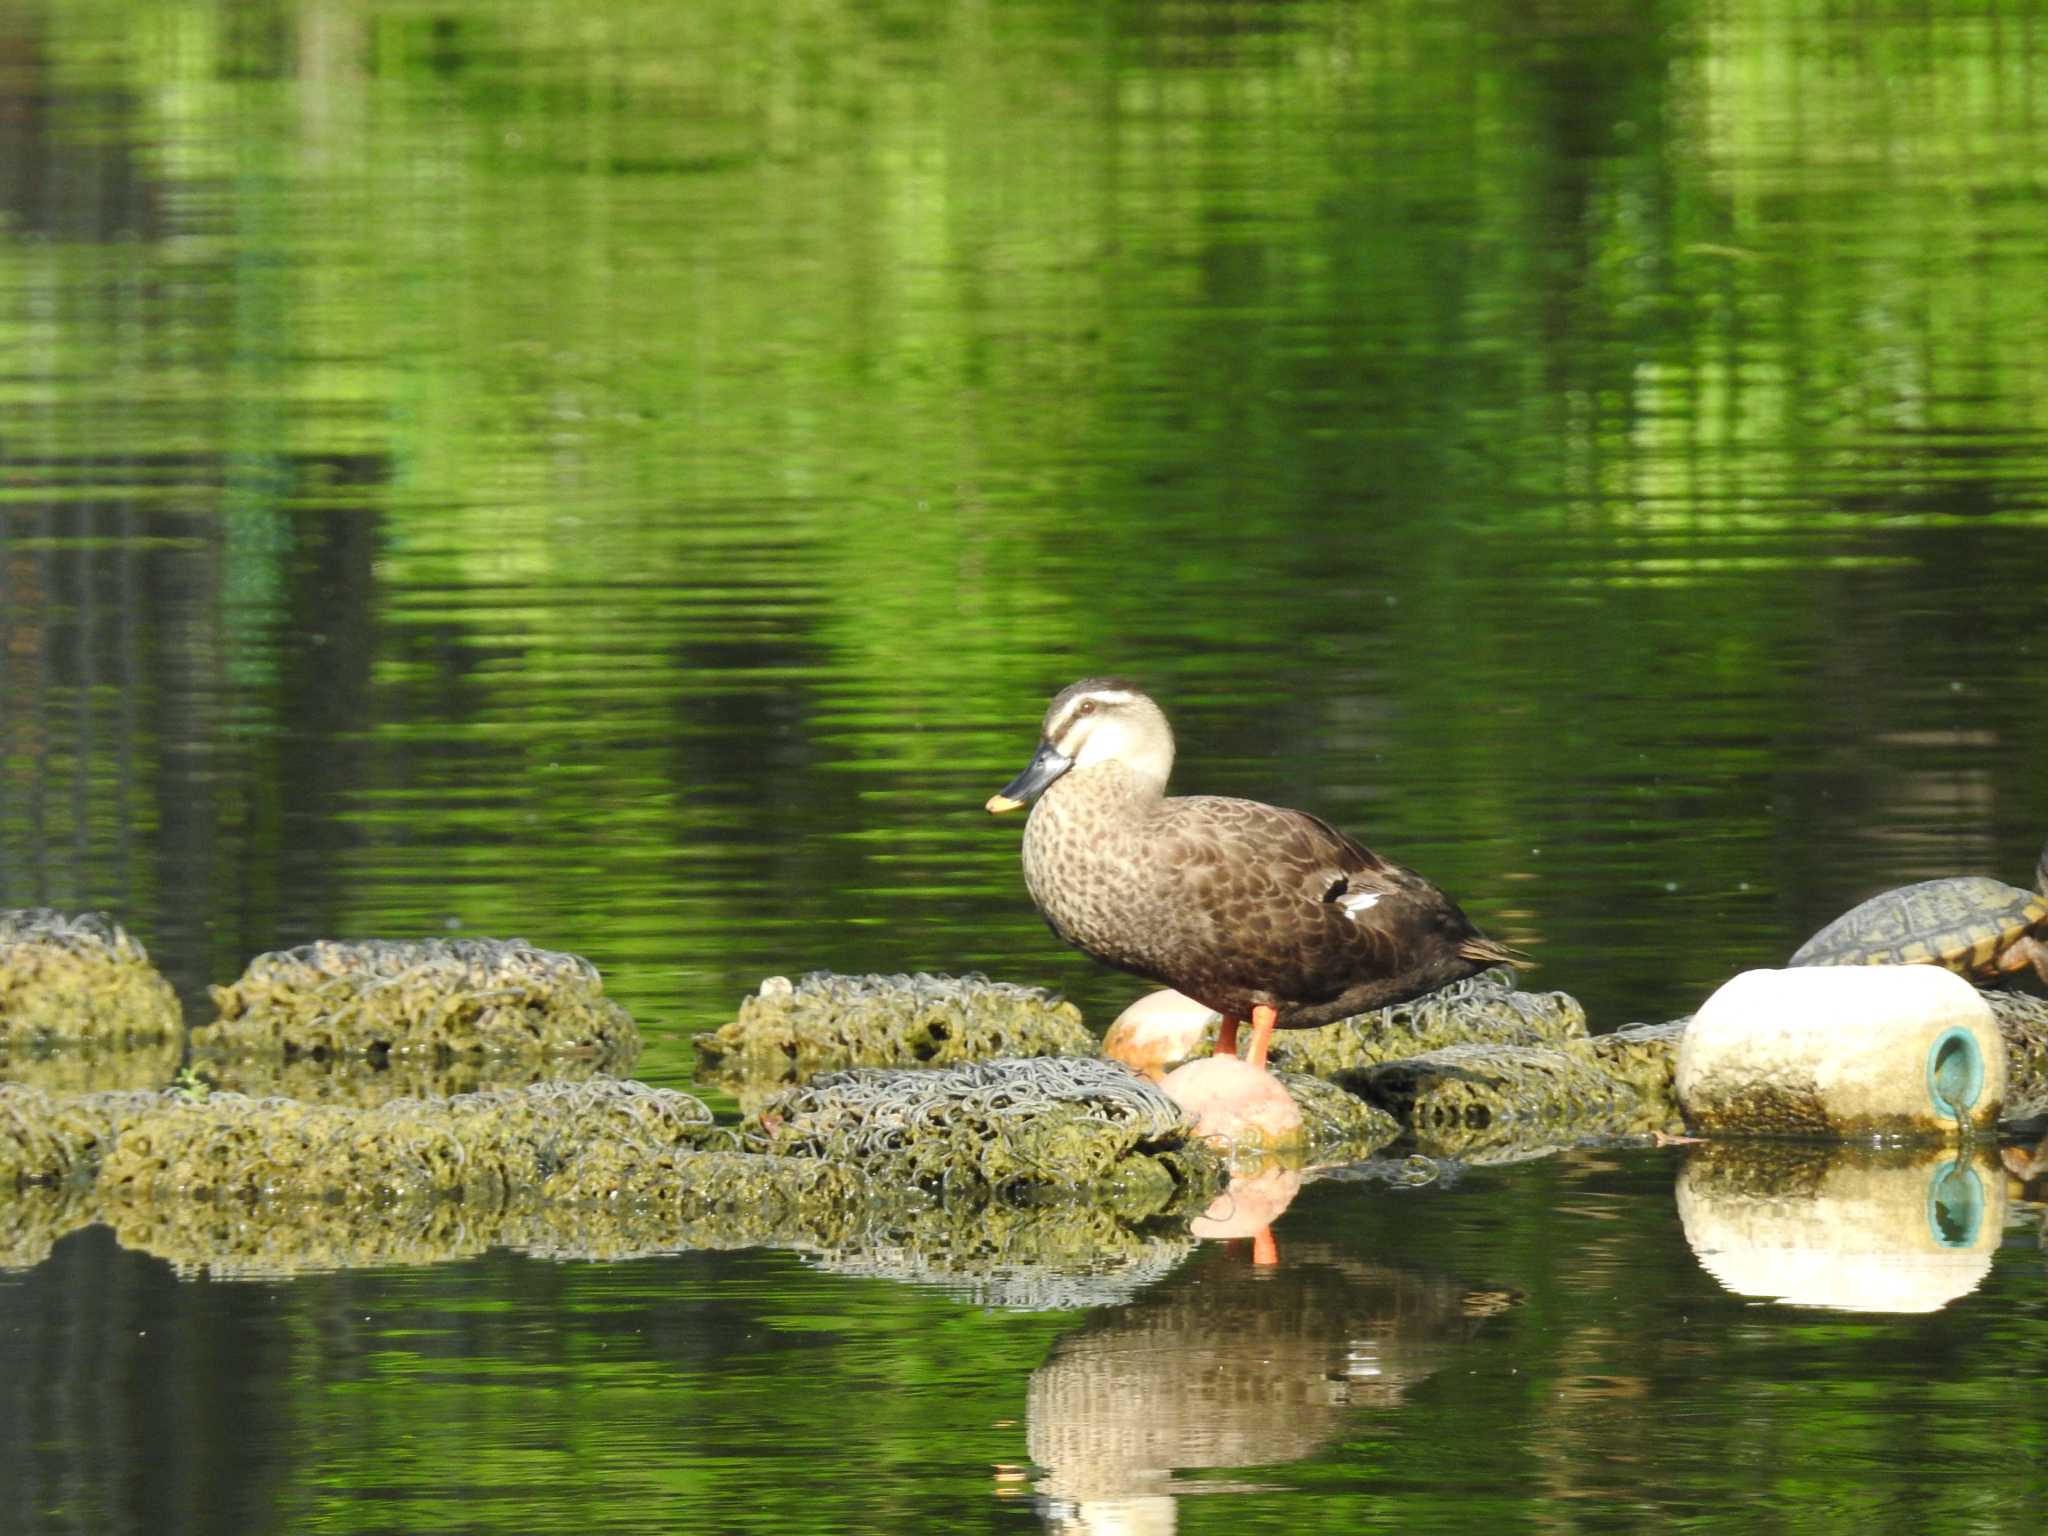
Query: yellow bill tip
<point>997,804</point>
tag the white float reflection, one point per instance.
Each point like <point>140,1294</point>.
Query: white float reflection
<point>1858,1229</point>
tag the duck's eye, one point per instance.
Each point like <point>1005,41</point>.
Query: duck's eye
<point>1087,707</point>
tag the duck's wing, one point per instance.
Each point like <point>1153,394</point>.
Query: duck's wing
<point>1332,907</point>
<point>1367,878</point>
<point>1295,855</point>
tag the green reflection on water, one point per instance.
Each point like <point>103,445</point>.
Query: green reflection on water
<point>630,476</point>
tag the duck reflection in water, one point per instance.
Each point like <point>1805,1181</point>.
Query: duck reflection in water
<point>1222,1367</point>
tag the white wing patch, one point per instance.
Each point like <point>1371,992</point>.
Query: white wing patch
<point>1359,901</point>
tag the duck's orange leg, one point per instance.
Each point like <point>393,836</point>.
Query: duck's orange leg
<point>1226,1037</point>
<point>1264,1250</point>
<point>1264,1017</point>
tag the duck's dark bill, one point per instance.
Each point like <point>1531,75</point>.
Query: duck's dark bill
<point>1043,768</point>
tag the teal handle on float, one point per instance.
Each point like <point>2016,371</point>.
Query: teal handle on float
<point>1955,1074</point>
<point>1955,1204</point>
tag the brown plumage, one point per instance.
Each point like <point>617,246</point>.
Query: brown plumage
<point>1240,905</point>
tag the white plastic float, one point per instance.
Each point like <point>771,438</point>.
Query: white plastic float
<point>1863,1230</point>
<point>1853,1052</point>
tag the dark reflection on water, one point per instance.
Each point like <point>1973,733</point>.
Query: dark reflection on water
<point>629,477</point>
<point>1232,1366</point>
<point>1457,1353</point>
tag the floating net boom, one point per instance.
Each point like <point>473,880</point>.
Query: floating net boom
<point>791,1031</point>
<point>1505,1100</point>
<point>2023,1021</point>
<point>438,996</point>
<point>1486,1009</point>
<point>235,1185</point>
<point>1015,1129</point>
<point>700,1199</point>
<point>1336,1124</point>
<point>564,1139</point>
<point>1645,1057</point>
<point>79,978</point>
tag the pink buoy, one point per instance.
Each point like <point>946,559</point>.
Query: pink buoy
<point>1235,1103</point>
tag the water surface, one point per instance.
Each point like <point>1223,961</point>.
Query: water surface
<point>630,477</point>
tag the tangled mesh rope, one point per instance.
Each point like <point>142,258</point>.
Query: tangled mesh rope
<point>1483,1009</point>
<point>78,977</point>
<point>394,996</point>
<point>1061,1123</point>
<point>75,933</point>
<point>794,1030</point>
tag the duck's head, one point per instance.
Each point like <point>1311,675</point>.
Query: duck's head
<point>1097,720</point>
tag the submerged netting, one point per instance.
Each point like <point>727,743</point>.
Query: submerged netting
<point>1030,1258</point>
<point>1337,1126</point>
<point>1010,1128</point>
<point>1486,1009</point>
<point>366,1081</point>
<point>790,1031</point>
<point>700,1200</point>
<point>247,1186</point>
<point>568,1140</point>
<point>2023,1021</point>
<point>58,1139</point>
<point>1505,1101</point>
<point>1645,1057</point>
<point>69,1066</point>
<point>438,996</point>
<point>66,977</point>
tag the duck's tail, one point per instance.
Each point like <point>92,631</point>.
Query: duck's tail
<point>1492,952</point>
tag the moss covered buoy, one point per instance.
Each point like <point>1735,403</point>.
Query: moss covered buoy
<point>1845,1052</point>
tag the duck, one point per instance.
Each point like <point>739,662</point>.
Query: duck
<point>1262,913</point>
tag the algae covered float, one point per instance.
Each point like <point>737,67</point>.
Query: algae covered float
<point>387,997</point>
<point>1066,1170</point>
<point>789,1031</point>
<point>67,979</point>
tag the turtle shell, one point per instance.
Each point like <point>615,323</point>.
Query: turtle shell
<point>1962,924</point>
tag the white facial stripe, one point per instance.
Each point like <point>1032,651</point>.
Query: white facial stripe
<point>1072,712</point>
